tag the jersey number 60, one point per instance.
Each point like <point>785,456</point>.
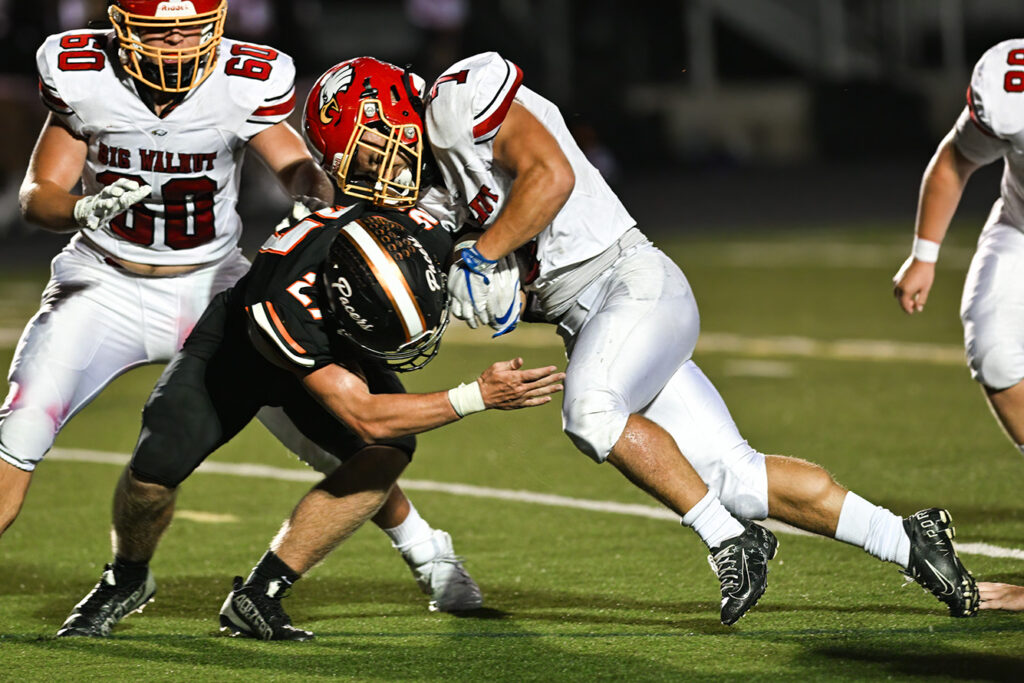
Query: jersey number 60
<point>187,214</point>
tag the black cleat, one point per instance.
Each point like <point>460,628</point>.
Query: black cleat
<point>741,564</point>
<point>108,603</point>
<point>935,565</point>
<point>254,611</point>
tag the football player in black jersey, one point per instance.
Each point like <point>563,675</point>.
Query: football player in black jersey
<point>329,310</point>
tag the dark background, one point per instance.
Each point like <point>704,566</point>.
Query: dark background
<point>704,114</point>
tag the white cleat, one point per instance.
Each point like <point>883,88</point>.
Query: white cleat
<point>440,574</point>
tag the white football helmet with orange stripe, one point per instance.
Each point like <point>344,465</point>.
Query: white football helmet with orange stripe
<point>386,292</point>
<point>177,69</point>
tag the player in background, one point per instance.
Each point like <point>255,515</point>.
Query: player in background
<point>154,117</point>
<point>633,395</point>
<point>989,128</point>
<point>331,307</point>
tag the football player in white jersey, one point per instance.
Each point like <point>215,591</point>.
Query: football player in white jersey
<point>154,117</point>
<point>989,128</point>
<point>511,167</point>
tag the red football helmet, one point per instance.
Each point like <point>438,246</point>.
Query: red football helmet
<point>364,122</point>
<point>168,69</point>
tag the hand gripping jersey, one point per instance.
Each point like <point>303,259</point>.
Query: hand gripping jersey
<point>465,110</point>
<point>191,157</point>
<point>992,124</point>
<point>283,293</point>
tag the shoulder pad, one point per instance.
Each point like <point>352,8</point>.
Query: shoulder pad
<point>995,97</point>
<point>261,79</point>
<point>65,62</point>
<point>472,97</point>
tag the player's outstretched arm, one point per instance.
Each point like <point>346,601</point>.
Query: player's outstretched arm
<point>941,189</point>
<point>375,417</point>
<point>285,153</point>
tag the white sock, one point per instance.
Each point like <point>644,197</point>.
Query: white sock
<point>1020,447</point>
<point>410,532</point>
<point>712,522</point>
<point>873,528</point>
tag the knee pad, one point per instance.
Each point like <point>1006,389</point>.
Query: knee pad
<point>26,434</point>
<point>741,483</point>
<point>594,422</point>
<point>997,365</point>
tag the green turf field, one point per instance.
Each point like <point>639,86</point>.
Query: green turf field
<point>572,593</point>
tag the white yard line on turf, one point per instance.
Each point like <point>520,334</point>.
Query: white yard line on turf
<point>649,511</point>
<point>543,336</point>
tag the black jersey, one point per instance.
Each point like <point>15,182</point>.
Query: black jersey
<point>283,294</point>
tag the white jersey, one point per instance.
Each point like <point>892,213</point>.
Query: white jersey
<point>992,124</point>
<point>191,156</point>
<point>465,110</point>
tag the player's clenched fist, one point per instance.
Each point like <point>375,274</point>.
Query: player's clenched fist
<point>912,283</point>
<point>97,210</point>
<point>484,290</point>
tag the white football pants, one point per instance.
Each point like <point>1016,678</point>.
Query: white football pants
<point>629,338</point>
<point>992,307</point>
<point>95,322</point>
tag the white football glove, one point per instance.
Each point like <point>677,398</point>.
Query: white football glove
<point>95,211</point>
<point>302,207</point>
<point>484,291</point>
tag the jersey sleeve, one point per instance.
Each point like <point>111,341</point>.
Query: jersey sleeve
<point>978,145</point>
<point>268,101</point>
<point>473,96</point>
<point>995,97</point>
<point>438,202</point>
<point>295,332</point>
<point>49,93</point>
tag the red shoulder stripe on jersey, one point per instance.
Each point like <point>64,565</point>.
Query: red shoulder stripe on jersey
<point>281,330</point>
<point>49,97</point>
<point>494,120</point>
<point>974,115</point>
<point>277,109</point>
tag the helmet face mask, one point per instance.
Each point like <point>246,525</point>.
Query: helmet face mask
<point>364,124</point>
<point>169,69</point>
<point>386,293</point>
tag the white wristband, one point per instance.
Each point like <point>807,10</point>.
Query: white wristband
<point>925,250</point>
<point>466,398</point>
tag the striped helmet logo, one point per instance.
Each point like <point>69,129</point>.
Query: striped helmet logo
<point>390,277</point>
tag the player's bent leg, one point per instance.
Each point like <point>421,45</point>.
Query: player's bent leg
<point>438,571</point>
<point>1008,407</point>
<point>126,584</point>
<point>13,487</point>
<point>339,505</point>
<point>806,496</point>
<point>332,511</point>
<point>648,456</point>
<point>430,554</point>
<point>992,311</point>
<point>803,494</point>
